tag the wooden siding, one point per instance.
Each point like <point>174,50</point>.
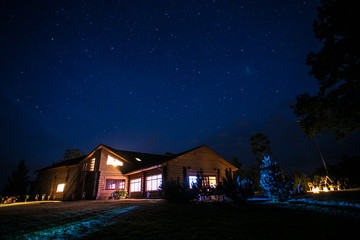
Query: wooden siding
<point>79,179</point>
<point>143,193</point>
<point>108,172</point>
<point>48,180</point>
<point>201,158</point>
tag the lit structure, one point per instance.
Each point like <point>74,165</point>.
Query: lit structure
<point>106,169</point>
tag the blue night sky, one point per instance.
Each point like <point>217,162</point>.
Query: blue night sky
<point>156,76</point>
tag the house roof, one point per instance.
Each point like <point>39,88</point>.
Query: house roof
<point>136,160</point>
<point>69,162</point>
<point>139,160</point>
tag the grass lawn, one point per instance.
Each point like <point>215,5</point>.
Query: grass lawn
<point>349,195</point>
<point>164,220</point>
<point>227,221</point>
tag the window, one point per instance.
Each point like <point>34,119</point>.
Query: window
<point>85,166</point>
<point>115,184</point>
<point>208,181</point>
<point>153,182</point>
<point>135,185</point>
<point>113,161</point>
<point>212,181</point>
<point>92,164</point>
<point>192,180</point>
<point>60,187</point>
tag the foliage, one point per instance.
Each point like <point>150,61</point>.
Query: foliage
<point>253,174</point>
<point>337,69</point>
<point>173,191</point>
<point>274,184</point>
<point>302,179</point>
<point>19,181</point>
<point>346,172</point>
<point>72,153</point>
<point>236,163</point>
<point>119,194</point>
<point>236,188</point>
<point>260,146</point>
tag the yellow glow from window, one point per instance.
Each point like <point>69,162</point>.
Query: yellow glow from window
<point>212,181</point>
<point>60,187</point>
<point>113,161</point>
<point>92,164</point>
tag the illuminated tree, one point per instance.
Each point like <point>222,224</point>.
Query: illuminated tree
<point>273,183</point>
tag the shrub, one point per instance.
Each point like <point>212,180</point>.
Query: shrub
<point>173,191</point>
<point>235,188</point>
<point>119,194</point>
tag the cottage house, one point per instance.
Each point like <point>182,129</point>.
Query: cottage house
<point>105,169</point>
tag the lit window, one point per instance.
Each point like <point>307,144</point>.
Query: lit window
<point>192,180</point>
<point>153,182</point>
<point>60,187</point>
<point>113,161</point>
<point>115,184</point>
<point>207,181</point>
<point>135,185</point>
<point>212,181</point>
<point>92,164</point>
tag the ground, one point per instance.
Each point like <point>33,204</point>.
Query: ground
<point>158,219</point>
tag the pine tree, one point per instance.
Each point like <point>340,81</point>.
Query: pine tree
<point>19,181</point>
<point>273,183</point>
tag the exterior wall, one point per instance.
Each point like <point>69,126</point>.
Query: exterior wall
<point>143,192</point>
<point>192,162</point>
<point>108,172</point>
<point>79,178</point>
<point>89,178</point>
<point>48,180</point>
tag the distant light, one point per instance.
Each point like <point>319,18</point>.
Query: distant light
<point>316,190</point>
<point>138,159</point>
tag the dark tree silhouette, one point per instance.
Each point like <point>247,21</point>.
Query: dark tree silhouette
<point>19,181</point>
<point>260,147</point>
<point>335,109</point>
<point>72,153</point>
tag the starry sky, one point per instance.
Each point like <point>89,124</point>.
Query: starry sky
<point>156,76</point>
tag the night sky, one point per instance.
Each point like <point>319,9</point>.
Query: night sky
<point>156,76</point>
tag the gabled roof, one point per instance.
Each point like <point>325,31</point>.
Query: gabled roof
<point>139,160</point>
<point>69,162</point>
